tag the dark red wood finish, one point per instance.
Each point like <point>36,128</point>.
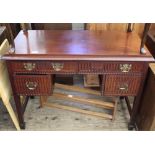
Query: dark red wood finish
<point>33,84</point>
<point>40,54</point>
<point>121,85</point>
<point>77,45</point>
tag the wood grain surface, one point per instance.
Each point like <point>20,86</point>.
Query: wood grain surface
<point>70,45</point>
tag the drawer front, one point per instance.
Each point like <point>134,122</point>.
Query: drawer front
<point>29,66</point>
<point>33,84</point>
<point>121,85</point>
<point>112,67</point>
<point>44,67</point>
<point>63,67</point>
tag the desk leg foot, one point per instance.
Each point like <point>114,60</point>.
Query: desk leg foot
<point>131,127</point>
<point>31,97</point>
<point>121,97</point>
<point>22,125</point>
<point>20,111</point>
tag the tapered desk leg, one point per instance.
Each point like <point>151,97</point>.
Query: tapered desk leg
<point>136,103</point>
<point>131,124</point>
<point>19,111</point>
<point>134,111</point>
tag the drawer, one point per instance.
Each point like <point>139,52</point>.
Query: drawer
<point>64,67</point>
<point>44,67</point>
<point>33,84</point>
<point>121,85</point>
<point>29,66</point>
<point>112,67</point>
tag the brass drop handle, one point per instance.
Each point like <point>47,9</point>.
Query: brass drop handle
<point>125,67</point>
<point>29,66</point>
<point>57,66</point>
<point>124,87</point>
<point>31,85</point>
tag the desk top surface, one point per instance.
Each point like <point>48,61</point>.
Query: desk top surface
<point>77,45</point>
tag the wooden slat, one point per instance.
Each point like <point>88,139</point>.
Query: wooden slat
<point>43,99</point>
<point>78,89</point>
<point>91,80</point>
<point>107,105</point>
<point>102,115</point>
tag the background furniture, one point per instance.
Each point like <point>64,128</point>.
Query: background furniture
<point>12,29</point>
<point>146,114</point>
<point>5,87</point>
<point>150,42</point>
<point>2,34</point>
<point>51,26</point>
<point>122,27</point>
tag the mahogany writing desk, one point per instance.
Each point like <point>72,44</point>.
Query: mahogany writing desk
<point>114,56</point>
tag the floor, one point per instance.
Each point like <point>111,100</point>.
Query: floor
<point>52,119</point>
